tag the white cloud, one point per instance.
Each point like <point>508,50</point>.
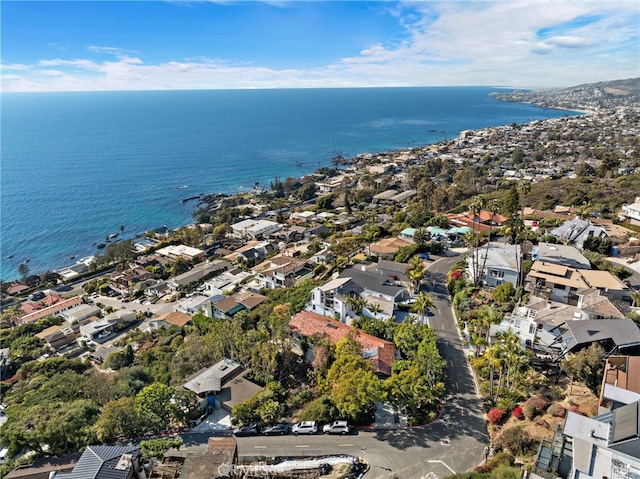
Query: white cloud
<point>522,44</point>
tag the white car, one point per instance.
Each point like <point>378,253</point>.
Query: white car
<point>304,427</point>
<point>336,427</point>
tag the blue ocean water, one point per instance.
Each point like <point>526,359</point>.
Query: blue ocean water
<point>75,166</point>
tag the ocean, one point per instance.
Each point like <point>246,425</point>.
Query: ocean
<point>76,166</point>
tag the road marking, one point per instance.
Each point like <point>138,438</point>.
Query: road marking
<point>259,447</point>
<point>308,446</point>
<point>345,445</point>
<point>444,464</point>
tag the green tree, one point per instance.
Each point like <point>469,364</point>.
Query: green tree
<point>416,271</point>
<point>355,394</point>
<point>120,358</point>
<point>424,302</point>
<point>23,270</point>
<point>186,406</point>
<point>586,366</point>
<point>118,418</point>
<point>154,406</point>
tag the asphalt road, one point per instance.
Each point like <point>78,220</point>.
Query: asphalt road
<point>455,442</point>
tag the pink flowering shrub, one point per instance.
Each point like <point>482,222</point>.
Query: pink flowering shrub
<point>518,413</point>
<point>495,415</point>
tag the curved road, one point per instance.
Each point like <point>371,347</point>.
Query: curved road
<point>455,442</point>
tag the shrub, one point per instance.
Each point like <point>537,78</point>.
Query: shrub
<point>556,410</point>
<point>503,458</point>
<point>518,413</point>
<point>495,415</point>
<point>506,403</point>
<point>534,406</point>
<point>515,440</point>
<point>529,411</point>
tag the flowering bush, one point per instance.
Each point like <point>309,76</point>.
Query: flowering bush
<point>455,275</point>
<point>518,413</point>
<point>534,406</point>
<point>495,415</point>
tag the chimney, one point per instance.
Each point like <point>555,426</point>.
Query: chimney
<point>548,305</point>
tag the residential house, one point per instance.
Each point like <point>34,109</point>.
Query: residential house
<point>616,336</point>
<point>305,217</point>
<point>229,306</point>
<point>559,254</point>
<point>310,325</point>
<point>387,248</point>
<point>281,271</point>
<point>538,323</point>
<point>631,213</point>
<point>216,462</point>
<point>16,287</point>
<point>55,309</point>
<point>620,382</point>
<point>192,304</point>
<point>254,229</point>
<point>198,273</point>
<point>222,385</point>
<point>89,331</point>
<point>407,234</point>
<point>605,446</point>
<point>561,283</point>
<point>106,462</point>
<point>80,312</point>
<point>497,264</point>
<point>576,231</point>
<point>45,467</point>
<point>187,253</point>
<point>172,318</point>
<point>60,336</point>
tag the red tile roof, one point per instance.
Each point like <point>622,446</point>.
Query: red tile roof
<point>309,324</point>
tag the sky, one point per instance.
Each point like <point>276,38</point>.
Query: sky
<point>154,45</point>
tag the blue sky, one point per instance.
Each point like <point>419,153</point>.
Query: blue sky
<point>152,45</point>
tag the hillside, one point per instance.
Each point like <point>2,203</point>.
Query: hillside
<point>588,96</point>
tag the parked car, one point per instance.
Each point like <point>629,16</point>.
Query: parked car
<point>276,430</point>
<point>248,430</point>
<point>336,427</point>
<point>305,427</point>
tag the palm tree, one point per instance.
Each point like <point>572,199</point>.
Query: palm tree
<point>478,342</point>
<point>424,302</point>
<point>525,189</point>
<point>416,271</point>
<point>635,297</point>
<point>356,303</point>
<point>475,208</point>
<point>374,308</point>
<point>122,231</point>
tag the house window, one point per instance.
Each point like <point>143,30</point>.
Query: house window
<point>496,273</point>
<point>559,286</point>
<point>532,328</point>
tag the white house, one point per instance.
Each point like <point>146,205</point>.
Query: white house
<point>496,264</point>
<point>631,212</point>
<point>255,229</point>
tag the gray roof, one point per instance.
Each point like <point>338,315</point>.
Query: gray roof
<point>103,462</point>
<point>561,254</point>
<point>211,379</point>
<point>577,230</point>
<point>371,281</point>
<point>623,332</point>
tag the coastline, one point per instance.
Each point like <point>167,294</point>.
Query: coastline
<point>410,147</point>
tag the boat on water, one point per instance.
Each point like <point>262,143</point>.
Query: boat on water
<point>73,256</point>
<point>10,256</point>
<point>181,187</point>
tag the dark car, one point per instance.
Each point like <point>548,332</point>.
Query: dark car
<point>276,430</point>
<point>248,430</point>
